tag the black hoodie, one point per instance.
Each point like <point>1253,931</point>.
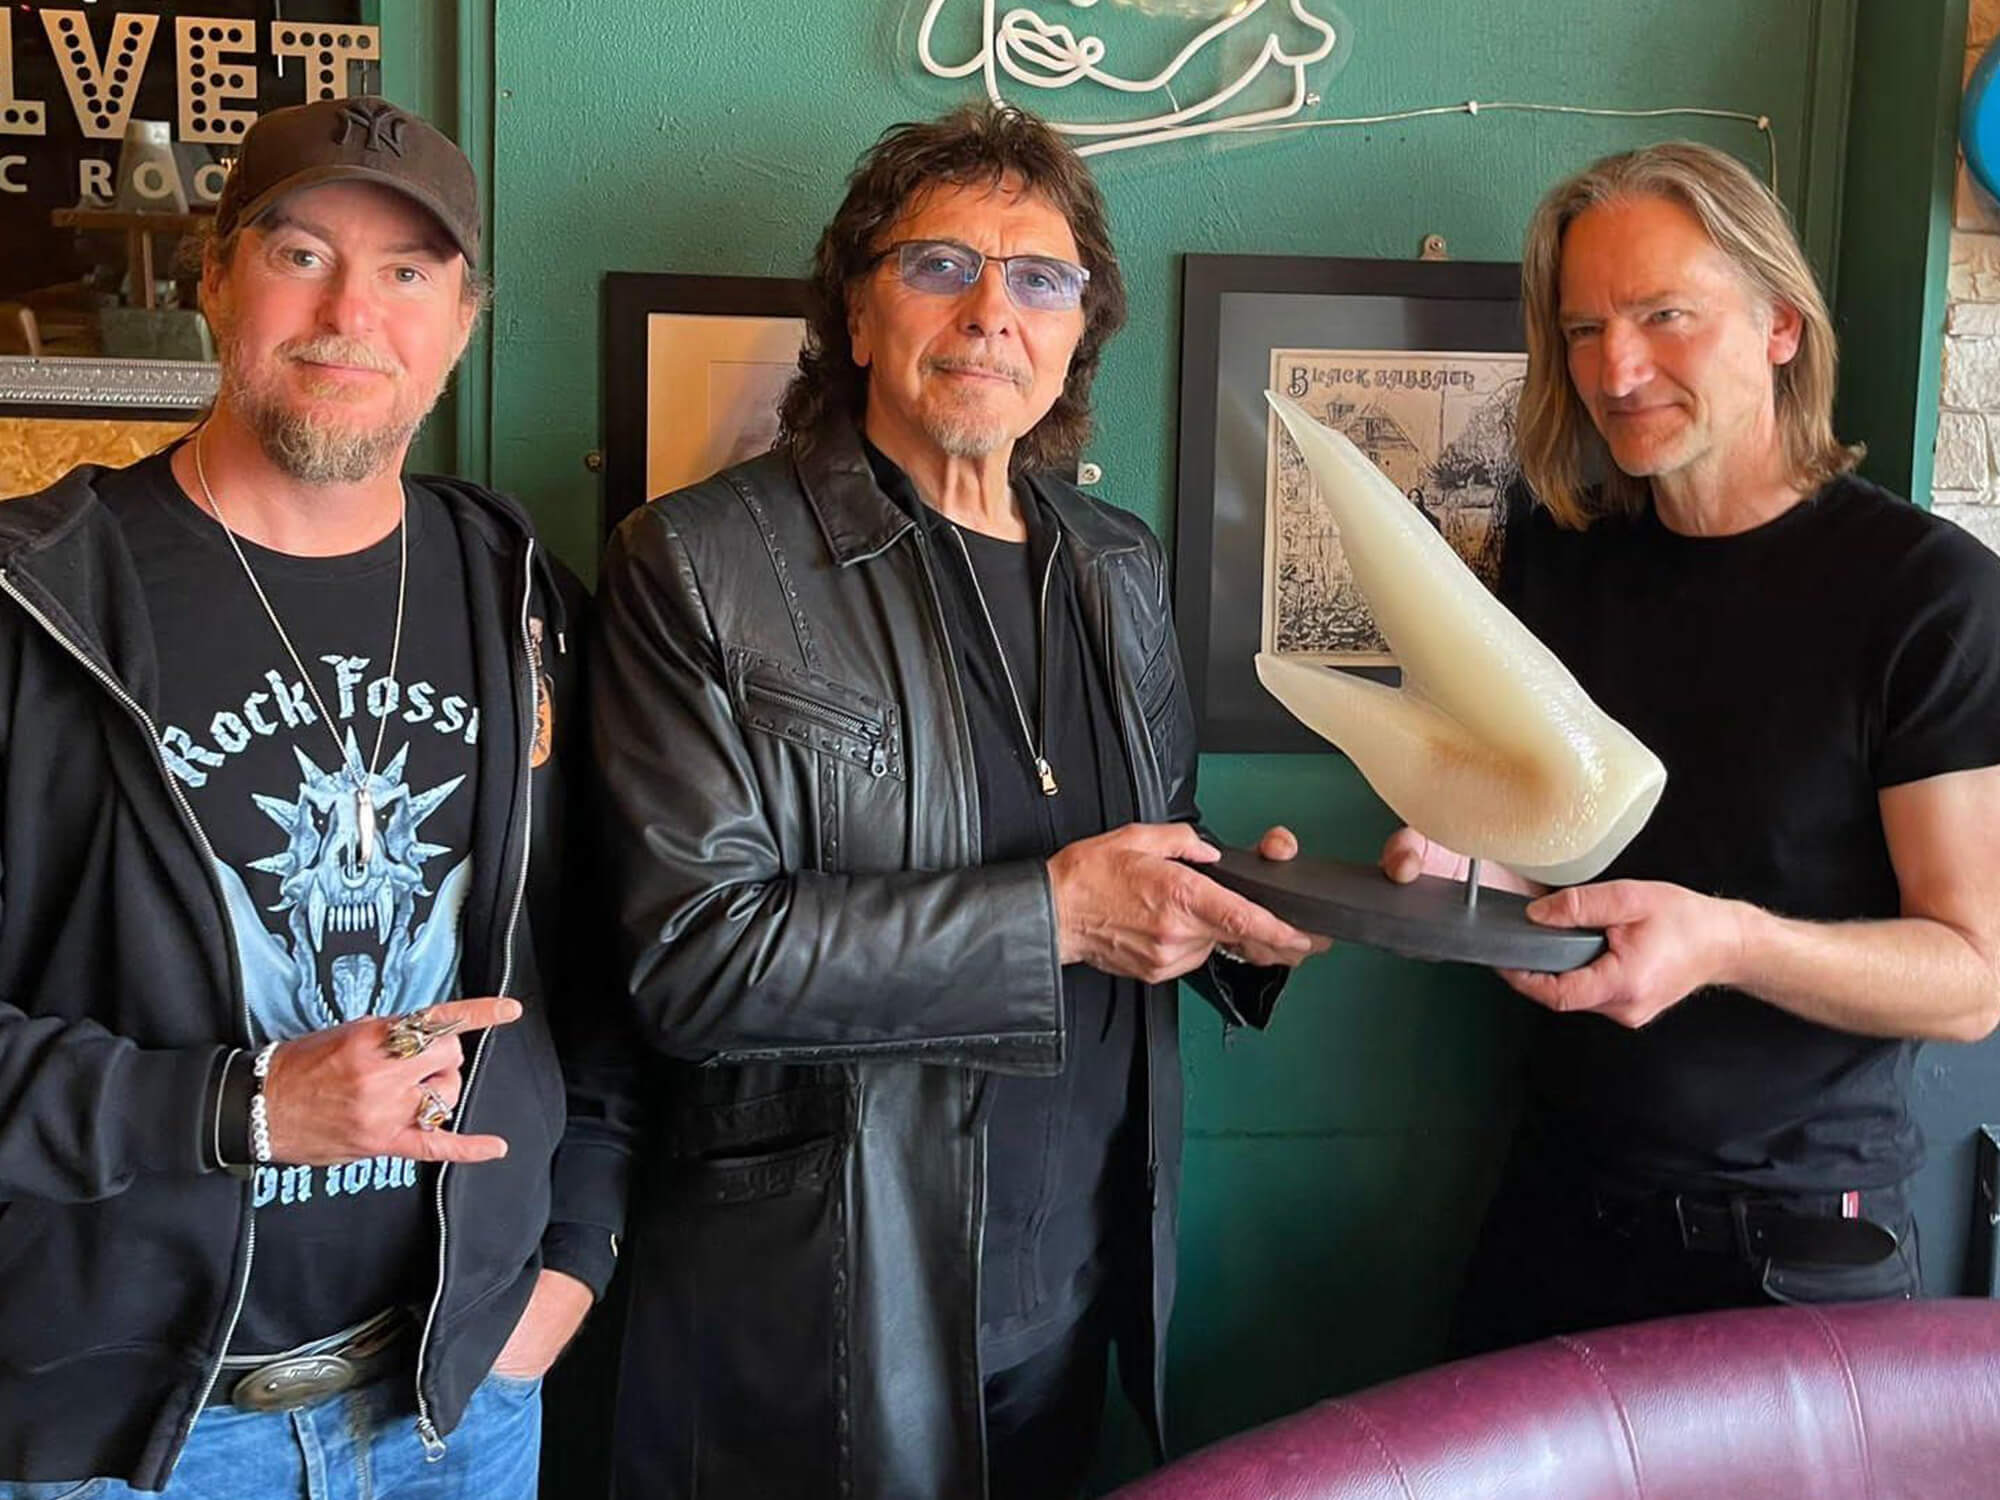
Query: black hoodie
<point>124,1250</point>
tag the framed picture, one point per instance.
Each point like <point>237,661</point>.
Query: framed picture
<point>106,390</point>
<point>1419,362</point>
<point>694,367</point>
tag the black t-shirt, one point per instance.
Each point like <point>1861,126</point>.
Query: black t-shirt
<point>1062,1153</point>
<point>321,937</point>
<point>1785,676</point>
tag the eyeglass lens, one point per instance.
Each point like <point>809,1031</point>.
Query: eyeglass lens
<point>1039,283</point>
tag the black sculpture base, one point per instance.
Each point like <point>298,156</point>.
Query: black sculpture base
<point>1430,918</point>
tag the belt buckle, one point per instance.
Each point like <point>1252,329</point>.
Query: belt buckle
<point>1704,1235</point>
<point>287,1384</point>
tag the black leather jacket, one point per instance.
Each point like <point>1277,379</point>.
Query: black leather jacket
<point>830,974</point>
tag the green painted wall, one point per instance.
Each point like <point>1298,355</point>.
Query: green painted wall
<point>1895,239</point>
<point>1337,1166</point>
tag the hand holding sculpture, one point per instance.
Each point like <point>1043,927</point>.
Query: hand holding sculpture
<point>1409,853</point>
<point>1130,903</point>
<point>1490,746</point>
<point>1663,943</point>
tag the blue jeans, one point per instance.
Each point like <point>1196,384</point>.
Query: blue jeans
<point>361,1445</point>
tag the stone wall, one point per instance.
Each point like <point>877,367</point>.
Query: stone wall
<point>1966,483</point>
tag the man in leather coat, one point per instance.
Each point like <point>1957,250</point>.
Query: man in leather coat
<point>900,771</point>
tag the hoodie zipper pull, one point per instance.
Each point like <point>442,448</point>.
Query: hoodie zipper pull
<point>427,1433</point>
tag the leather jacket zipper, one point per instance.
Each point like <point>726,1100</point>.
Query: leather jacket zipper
<point>979,1168</point>
<point>969,808</point>
<point>434,1445</point>
<point>110,684</point>
<point>826,714</point>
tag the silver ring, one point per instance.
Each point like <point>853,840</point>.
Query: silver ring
<point>411,1034</point>
<point>433,1112</point>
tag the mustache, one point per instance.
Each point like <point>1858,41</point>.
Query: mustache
<point>332,349</point>
<point>960,364</point>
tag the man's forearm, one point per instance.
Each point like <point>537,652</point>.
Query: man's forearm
<point>1909,976</point>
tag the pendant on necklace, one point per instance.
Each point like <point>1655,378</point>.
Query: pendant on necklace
<point>364,823</point>
<point>1048,775</point>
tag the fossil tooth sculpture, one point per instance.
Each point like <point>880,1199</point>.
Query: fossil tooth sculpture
<point>1490,746</point>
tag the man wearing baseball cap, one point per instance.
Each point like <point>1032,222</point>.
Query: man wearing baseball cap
<point>290,1193</point>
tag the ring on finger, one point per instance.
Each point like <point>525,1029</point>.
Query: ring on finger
<point>433,1112</point>
<point>408,1035</point>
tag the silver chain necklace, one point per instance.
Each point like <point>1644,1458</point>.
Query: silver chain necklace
<point>1038,745</point>
<point>364,793</point>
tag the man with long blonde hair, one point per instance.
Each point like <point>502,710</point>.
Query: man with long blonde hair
<point>1817,662</point>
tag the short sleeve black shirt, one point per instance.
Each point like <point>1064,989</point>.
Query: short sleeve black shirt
<point>1785,676</point>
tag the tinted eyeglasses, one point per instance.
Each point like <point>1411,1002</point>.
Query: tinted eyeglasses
<point>945,268</point>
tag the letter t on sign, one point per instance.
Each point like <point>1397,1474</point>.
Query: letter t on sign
<point>326,52</point>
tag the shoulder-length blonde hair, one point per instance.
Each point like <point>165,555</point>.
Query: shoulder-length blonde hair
<point>1559,444</point>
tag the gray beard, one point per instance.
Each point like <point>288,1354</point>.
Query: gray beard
<point>310,452</point>
<point>964,437</point>
<point>316,454</point>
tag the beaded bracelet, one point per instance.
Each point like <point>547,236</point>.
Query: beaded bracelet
<point>260,1110</point>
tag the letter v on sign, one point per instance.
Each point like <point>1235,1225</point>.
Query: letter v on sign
<point>101,88</point>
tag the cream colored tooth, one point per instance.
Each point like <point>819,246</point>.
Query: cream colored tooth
<point>1490,746</point>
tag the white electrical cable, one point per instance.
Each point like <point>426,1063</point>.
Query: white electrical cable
<point>1476,107</point>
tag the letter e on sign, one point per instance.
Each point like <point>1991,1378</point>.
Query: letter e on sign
<point>216,71</point>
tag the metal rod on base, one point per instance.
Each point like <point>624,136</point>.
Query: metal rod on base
<point>1472,885</point>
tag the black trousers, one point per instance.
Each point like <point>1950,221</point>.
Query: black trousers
<point>1560,1254</point>
<point>1044,1414</point>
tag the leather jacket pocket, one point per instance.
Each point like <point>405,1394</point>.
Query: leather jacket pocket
<point>741,1274</point>
<point>816,712</point>
<point>765,1174</point>
<point>762,1144</point>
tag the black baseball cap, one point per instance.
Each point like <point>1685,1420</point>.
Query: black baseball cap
<point>353,140</point>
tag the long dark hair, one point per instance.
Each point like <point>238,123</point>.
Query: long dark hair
<point>975,145</point>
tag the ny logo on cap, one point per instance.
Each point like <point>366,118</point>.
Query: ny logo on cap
<point>382,123</point>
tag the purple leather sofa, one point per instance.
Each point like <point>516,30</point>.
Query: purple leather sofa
<point>1886,1401</point>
